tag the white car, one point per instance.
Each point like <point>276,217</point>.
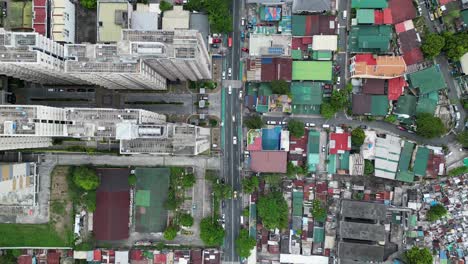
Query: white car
<point>326,126</point>
<point>234,140</point>
<point>282,123</point>
<point>230,89</point>
<point>235,195</point>
<point>233,118</point>
<point>338,80</point>
<point>224,75</point>
<point>240,94</point>
<point>271,122</point>
<point>310,124</point>
<point>229,72</point>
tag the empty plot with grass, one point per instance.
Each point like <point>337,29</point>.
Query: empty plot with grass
<point>151,193</point>
<point>22,235</point>
<point>20,14</point>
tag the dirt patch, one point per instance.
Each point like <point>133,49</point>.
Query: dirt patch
<point>61,206</point>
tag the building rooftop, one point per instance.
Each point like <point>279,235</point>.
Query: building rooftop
<point>402,10</point>
<point>421,161</point>
<point>309,25</point>
<point>363,210</point>
<point>427,103</point>
<point>385,67</point>
<point>361,104</point>
<point>404,174</point>
<point>144,20</point>
<point>387,155</point>
<point>269,45</point>
<point>362,231</point>
<point>313,150</point>
<point>427,80</point>
<point>311,6</point>
<point>18,184</point>
<point>360,252</point>
<point>306,97</point>
<point>374,86</point>
<point>178,18</point>
<point>339,142</point>
<point>365,16</point>
<point>370,38</point>
<point>112,16</point>
<point>396,88</point>
<point>325,42</point>
<point>464,58</point>
<point>376,4</point>
<point>268,161</point>
<point>312,70</point>
<point>406,106</point>
<point>301,259</point>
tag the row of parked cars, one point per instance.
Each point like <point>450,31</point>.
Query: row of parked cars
<point>273,122</point>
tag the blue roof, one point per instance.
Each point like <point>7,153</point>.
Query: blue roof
<point>271,138</point>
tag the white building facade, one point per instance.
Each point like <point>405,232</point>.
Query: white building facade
<point>63,21</point>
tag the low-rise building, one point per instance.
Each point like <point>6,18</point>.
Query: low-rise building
<point>112,17</point>
<point>377,67</point>
<point>177,18</point>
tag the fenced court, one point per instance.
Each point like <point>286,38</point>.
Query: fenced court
<point>151,193</point>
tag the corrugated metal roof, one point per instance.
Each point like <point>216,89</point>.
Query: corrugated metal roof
<point>297,198</point>
<point>379,105</point>
<point>319,234</point>
<point>365,16</point>
<point>378,4</point>
<point>428,80</point>
<point>421,160</point>
<point>312,70</point>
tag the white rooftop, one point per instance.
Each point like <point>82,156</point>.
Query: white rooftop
<point>325,42</point>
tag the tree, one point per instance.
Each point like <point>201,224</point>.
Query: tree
<point>429,126</point>
<point>211,232</point>
<point>85,178</point>
<point>280,87</point>
<point>418,256</point>
<point>132,179</point>
<point>390,119</point>
<point>327,110</point>
<point>357,137</point>
<point>273,180</point>
<point>432,45</point>
<point>170,233</point>
<point>250,185</point>
<point>189,180</point>
<point>463,138</point>
<point>165,6</point>
<point>458,171</point>
<point>456,45</point>
<point>436,212</point>
<point>318,211</point>
<point>253,122</point>
<point>293,170</point>
<point>222,191</point>
<point>89,4</point>
<point>273,210</point>
<point>296,128</point>
<point>368,167</point>
<point>244,244</point>
<point>339,99</point>
<point>186,220</point>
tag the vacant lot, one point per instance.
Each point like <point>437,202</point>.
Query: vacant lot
<point>61,205</point>
<point>18,235</point>
<point>20,14</point>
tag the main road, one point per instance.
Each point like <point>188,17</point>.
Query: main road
<point>231,164</point>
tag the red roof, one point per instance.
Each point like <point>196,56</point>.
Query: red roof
<point>136,254</point>
<point>298,144</point>
<point>433,164</point>
<point>276,69</point>
<point>395,88</point>
<point>25,259</point>
<point>53,257</point>
<point>387,16</point>
<point>111,215</point>
<point>339,142</point>
<point>400,27</point>
<point>368,58</point>
<point>301,42</point>
<point>268,161</point>
<point>40,16</point>
<point>413,57</point>
<point>97,255</point>
<point>378,17</point>
<point>39,2</point>
<point>159,258</point>
<point>401,10</point>
<point>256,144</point>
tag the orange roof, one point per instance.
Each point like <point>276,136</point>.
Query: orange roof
<point>386,67</point>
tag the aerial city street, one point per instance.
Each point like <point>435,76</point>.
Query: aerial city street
<point>234,131</point>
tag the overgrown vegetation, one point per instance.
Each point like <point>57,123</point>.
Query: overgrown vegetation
<point>211,232</point>
<point>293,170</point>
<point>357,137</point>
<point>211,85</point>
<point>463,138</point>
<point>219,15</point>
<point>390,119</point>
<point>339,100</point>
<point>418,256</point>
<point>165,6</point>
<point>429,126</point>
<point>436,212</point>
<point>280,87</point>
<point>458,171</point>
<point>454,45</point>
<point>89,4</point>
<point>170,233</point>
<point>186,220</point>
<point>132,180</point>
<point>432,45</point>
<point>296,128</point>
<point>253,122</point>
<point>244,244</point>
<point>250,184</point>
<point>368,167</point>
<point>318,211</point>
<point>273,210</point>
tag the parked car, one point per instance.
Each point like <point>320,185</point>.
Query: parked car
<point>363,126</point>
<point>235,195</point>
<point>401,128</point>
<point>326,126</point>
<point>234,140</point>
<point>282,123</point>
<point>309,124</point>
<point>229,89</point>
<point>233,118</point>
<point>245,50</point>
<point>229,72</point>
<point>224,75</point>
<point>81,90</point>
<point>217,40</point>
<point>323,148</point>
<point>271,122</point>
<point>215,46</point>
<point>240,94</point>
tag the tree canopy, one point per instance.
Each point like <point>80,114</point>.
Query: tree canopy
<point>357,137</point>
<point>418,256</point>
<point>273,179</point>
<point>132,179</point>
<point>339,99</point>
<point>219,15</point>
<point>85,178</point>
<point>170,233</point>
<point>250,185</point>
<point>280,87</point>
<point>429,126</point>
<point>296,128</point>
<point>318,211</point>
<point>293,170</point>
<point>165,6</point>
<point>186,220</point>
<point>273,210</point>
<point>432,45</point>
<point>327,110</point>
<point>188,180</point>
<point>222,191</point>
<point>463,138</point>
<point>89,4</point>
<point>253,122</point>
<point>368,167</point>
<point>458,171</point>
<point>456,45</point>
<point>436,212</point>
<point>211,232</point>
<point>90,201</point>
<point>244,244</point>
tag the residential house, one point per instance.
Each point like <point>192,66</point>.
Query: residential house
<point>311,70</point>
<point>370,39</point>
<point>306,97</point>
<point>379,67</point>
<point>427,80</point>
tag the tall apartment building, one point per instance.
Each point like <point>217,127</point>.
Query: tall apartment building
<point>113,66</point>
<point>33,57</point>
<point>62,21</point>
<point>139,131</point>
<point>177,55</point>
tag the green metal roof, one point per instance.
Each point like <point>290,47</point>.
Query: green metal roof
<point>312,70</point>
<point>142,198</point>
<point>365,16</point>
<point>370,38</point>
<point>313,150</point>
<point>344,160</point>
<point>464,16</point>
<point>261,108</point>
<point>404,174</point>
<point>427,103</point>
<point>296,54</point>
<point>265,89</point>
<point>298,198</point>
<point>428,80</point>
<point>319,234</point>
<point>379,105</point>
<point>309,93</point>
<point>378,4</point>
<point>298,25</point>
<point>331,166</point>
<point>406,105</point>
<point>413,219</point>
<point>322,55</point>
<point>421,160</point>
<point>395,219</point>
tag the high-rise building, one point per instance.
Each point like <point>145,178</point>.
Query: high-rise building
<point>33,57</point>
<point>139,131</point>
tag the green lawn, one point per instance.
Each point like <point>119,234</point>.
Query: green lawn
<point>20,15</point>
<point>30,235</point>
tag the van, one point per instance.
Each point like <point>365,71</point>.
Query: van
<point>326,126</point>
<point>338,80</point>
<point>243,22</point>
<point>345,14</point>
